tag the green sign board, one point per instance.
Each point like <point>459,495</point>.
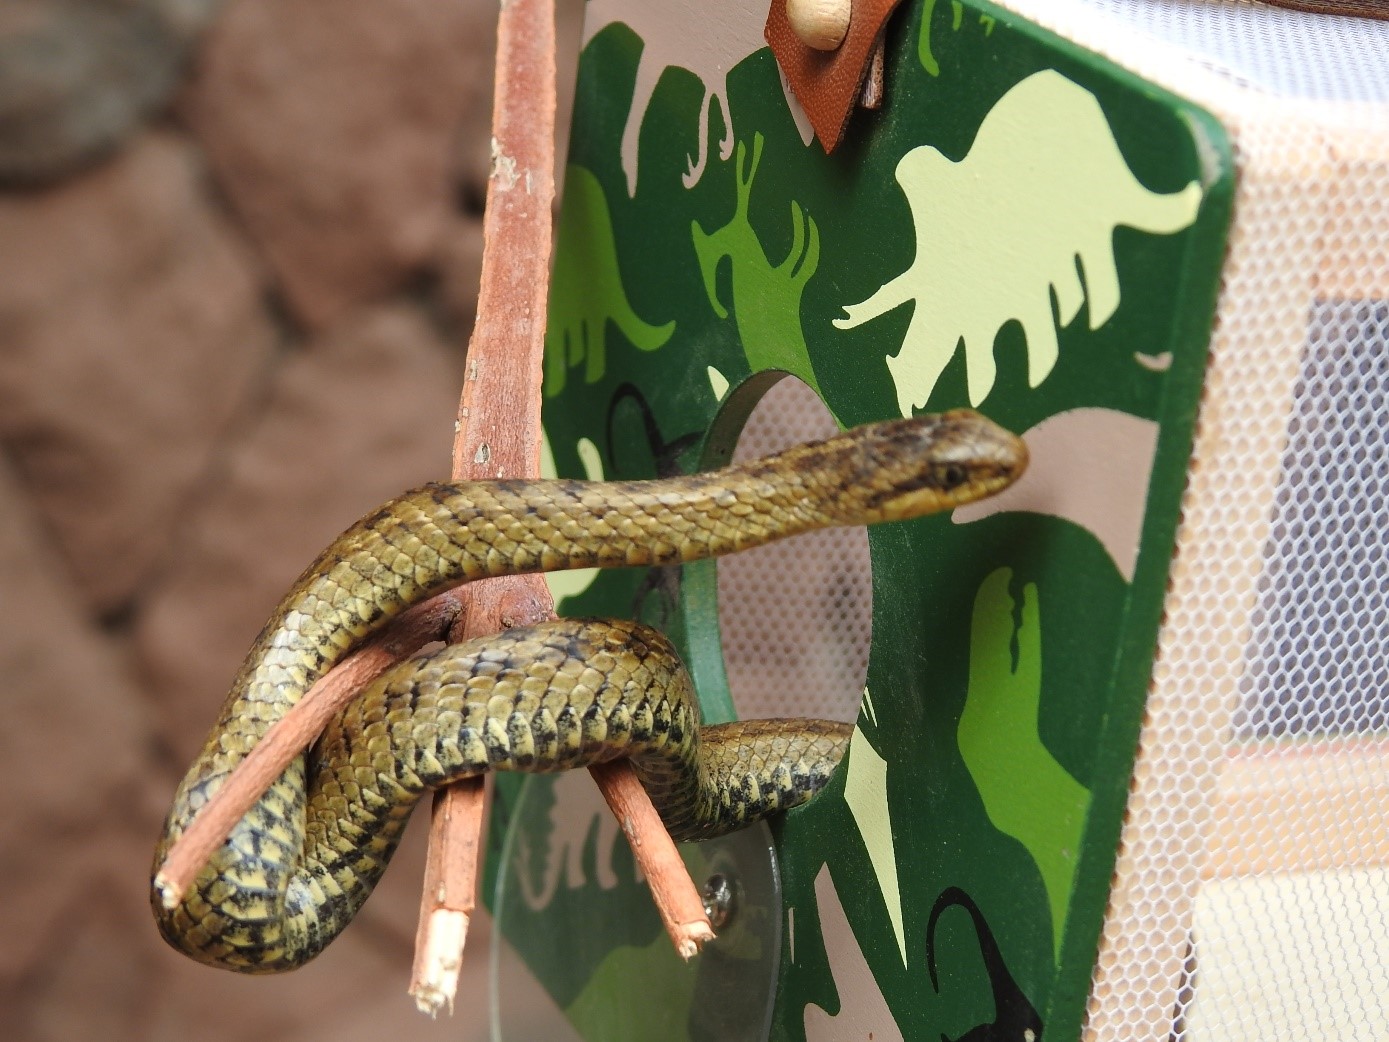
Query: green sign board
<point>1023,228</point>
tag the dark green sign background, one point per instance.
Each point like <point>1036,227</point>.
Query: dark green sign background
<point>977,216</point>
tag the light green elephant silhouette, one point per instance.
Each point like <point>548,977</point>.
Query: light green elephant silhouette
<point>766,296</point>
<point>1034,202</point>
<point>1027,794</point>
<point>586,292</point>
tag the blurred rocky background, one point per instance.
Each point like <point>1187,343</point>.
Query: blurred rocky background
<point>239,253</point>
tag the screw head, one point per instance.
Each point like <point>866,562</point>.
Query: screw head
<point>719,900</point>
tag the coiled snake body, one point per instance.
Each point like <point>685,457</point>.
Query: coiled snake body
<point>550,697</point>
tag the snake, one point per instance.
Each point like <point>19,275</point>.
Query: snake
<point>549,697</point>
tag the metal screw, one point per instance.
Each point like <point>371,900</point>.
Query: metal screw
<point>718,900</point>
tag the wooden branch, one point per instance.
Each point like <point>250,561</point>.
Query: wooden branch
<point>498,434</point>
<point>674,892</point>
<point>447,897</point>
<point>294,733</point>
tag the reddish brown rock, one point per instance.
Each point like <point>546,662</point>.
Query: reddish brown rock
<point>81,959</point>
<point>354,977</point>
<point>475,139</point>
<point>74,741</point>
<point>335,136</point>
<point>357,417</point>
<point>460,271</point>
<point>167,461</point>
<point>78,76</point>
<point>132,326</point>
<point>105,973</point>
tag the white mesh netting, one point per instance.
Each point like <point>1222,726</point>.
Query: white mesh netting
<point>796,617</point>
<point>1251,893</point>
<point>1318,663</point>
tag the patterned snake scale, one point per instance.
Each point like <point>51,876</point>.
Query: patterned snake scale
<point>549,697</point>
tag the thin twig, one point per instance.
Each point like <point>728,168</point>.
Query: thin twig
<point>446,901</point>
<point>673,891</point>
<point>449,891</point>
<point>292,734</point>
<point>498,435</point>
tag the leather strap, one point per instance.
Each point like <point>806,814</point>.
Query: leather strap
<point>827,83</point>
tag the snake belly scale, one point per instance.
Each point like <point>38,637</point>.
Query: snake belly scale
<point>550,697</point>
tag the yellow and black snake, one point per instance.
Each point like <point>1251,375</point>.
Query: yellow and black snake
<point>563,694</point>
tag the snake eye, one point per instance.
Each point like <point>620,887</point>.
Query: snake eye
<point>952,475</point>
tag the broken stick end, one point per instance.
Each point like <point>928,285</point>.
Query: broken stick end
<point>437,965</point>
<point>170,893</point>
<point>692,937</point>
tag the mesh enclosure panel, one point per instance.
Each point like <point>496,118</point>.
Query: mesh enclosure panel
<point>1318,663</point>
<point>1289,53</point>
<point>796,618</point>
<point>1251,893</point>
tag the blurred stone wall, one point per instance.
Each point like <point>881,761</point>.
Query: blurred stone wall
<point>239,254</point>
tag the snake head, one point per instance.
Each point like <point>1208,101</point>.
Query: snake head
<point>930,463</point>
